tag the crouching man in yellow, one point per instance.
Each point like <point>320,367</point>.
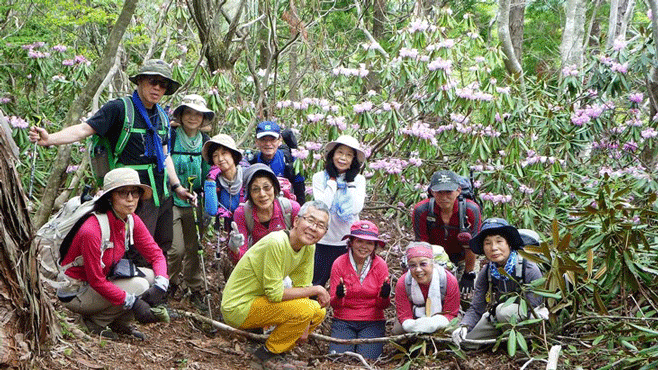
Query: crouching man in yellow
<point>255,297</point>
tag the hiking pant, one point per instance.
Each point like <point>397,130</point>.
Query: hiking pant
<point>325,255</point>
<point>345,329</point>
<point>291,319</point>
<point>159,222</point>
<point>486,327</point>
<point>184,253</point>
<point>94,307</point>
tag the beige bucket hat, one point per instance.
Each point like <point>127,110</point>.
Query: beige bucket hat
<point>223,140</point>
<point>198,103</point>
<point>156,67</point>
<point>124,176</point>
<point>347,141</point>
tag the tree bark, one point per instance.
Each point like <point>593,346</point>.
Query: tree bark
<point>79,106</point>
<point>511,61</point>
<point>572,45</point>
<point>653,77</point>
<point>516,27</point>
<point>621,12</point>
<point>27,315</point>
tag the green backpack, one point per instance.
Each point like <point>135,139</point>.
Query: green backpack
<point>102,157</point>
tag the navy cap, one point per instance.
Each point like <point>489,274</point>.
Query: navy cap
<point>496,226</point>
<point>268,128</point>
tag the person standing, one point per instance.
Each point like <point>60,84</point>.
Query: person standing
<point>343,190</point>
<point>186,144</point>
<point>146,145</point>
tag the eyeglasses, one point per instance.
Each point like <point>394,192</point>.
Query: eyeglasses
<point>136,193</point>
<point>266,189</point>
<point>422,265</point>
<point>153,81</point>
<point>314,223</point>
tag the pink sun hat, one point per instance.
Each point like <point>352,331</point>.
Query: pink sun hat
<point>365,230</point>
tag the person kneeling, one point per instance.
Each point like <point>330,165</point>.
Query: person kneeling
<point>97,283</point>
<point>427,296</point>
<point>255,297</point>
<point>360,291</point>
<point>499,241</point>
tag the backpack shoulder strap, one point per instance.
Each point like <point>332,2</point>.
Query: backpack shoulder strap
<point>462,213</point>
<point>248,218</point>
<point>519,269</point>
<point>129,118</point>
<point>407,285</point>
<point>286,209</point>
<point>431,216</point>
<point>443,280</point>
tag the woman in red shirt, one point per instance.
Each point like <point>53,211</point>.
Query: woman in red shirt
<point>360,291</point>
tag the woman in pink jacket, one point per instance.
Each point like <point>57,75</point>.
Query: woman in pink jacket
<point>360,291</point>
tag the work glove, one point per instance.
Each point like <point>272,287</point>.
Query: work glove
<point>466,283</point>
<point>236,239</point>
<point>213,173</point>
<point>142,311</point>
<point>431,324</point>
<point>409,325</point>
<point>385,291</point>
<point>459,334</point>
<point>340,289</point>
<point>154,296</point>
<point>464,237</point>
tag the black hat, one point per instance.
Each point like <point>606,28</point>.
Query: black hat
<point>496,226</point>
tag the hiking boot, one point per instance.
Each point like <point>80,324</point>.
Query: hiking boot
<point>197,299</point>
<point>175,292</point>
<point>99,330</point>
<point>127,329</point>
<point>266,360</point>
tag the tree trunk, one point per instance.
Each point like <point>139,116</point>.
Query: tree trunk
<point>572,46</point>
<point>516,27</point>
<point>653,77</point>
<point>79,106</point>
<point>378,19</point>
<point>27,315</point>
<point>621,12</point>
<point>511,61</point>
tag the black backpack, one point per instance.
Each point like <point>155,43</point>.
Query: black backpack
<point>468,192</point>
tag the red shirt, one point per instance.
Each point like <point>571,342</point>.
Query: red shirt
<point>87,243</point>
<point>449,304</point>
<point>362,301</point>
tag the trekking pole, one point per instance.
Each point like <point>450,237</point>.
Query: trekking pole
<point>190,181</point>
<point>34,162</point>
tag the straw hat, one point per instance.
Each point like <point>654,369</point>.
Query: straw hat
<point>347,141</point>
<point>198,103</point>
<point>223,140</point>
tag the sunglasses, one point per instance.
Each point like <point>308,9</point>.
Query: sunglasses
<point>154,81</point>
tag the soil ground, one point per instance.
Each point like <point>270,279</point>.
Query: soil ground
<point>185,343</point>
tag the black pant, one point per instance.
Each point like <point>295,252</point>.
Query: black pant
<point>325,255</point>
<point>160,223</point>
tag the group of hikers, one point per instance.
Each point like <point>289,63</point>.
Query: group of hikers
<point>141,246</point>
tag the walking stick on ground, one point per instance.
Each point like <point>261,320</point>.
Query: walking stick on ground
<point>190,181</point>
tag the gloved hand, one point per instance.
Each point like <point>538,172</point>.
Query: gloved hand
<point>154,296</point>
<point>340,289</point>
<point>431,324</point>
<point>213,173</point>
<point>459,334</point>
<point>142,311</point>
<point>467,281</point>
<point>464,237</point>
<point>409,325</point>
<point>385,291</point>
<point>236,239</point>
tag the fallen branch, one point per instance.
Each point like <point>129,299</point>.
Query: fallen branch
<point>553,355</point>
<point>261,337</point>
<point>353,354</point>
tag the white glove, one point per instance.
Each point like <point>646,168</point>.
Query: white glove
<point>409,325</point>
<point>236,239</point>
<point>459,335</point>
<point>431,324</point>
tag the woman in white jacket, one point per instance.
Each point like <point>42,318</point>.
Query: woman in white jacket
<point>343,190</point>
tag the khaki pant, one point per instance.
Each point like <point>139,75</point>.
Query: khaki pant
<point>183,257</point>
<point>486,327</point>
<point>290,318</point>
<point>93,306</point>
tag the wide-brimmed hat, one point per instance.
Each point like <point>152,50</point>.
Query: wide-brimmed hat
<point>259,169</point>
<point>268,128</point>
<point>365,230</point>
<point>496,226</point>
<point>347,141</point>
<point>444,181</point>
<point>124,176</point>
<point>156,67</point>
<point>198,103</point>
<point>223,140</point>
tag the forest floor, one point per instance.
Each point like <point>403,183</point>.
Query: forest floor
<point>185,343</point>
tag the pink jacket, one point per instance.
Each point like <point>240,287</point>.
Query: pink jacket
<point>87,243</point>
<point>277,222</point>
<point>450,302</point>
<point>362,301</point>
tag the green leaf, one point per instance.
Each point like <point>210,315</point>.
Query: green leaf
<point>511,343</point>
<point>522,343</point>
